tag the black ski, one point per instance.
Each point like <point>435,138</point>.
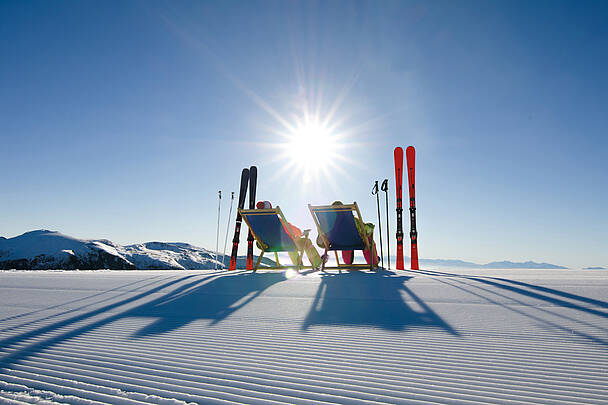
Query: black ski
<point>239,219</point>
<point>253,179</point>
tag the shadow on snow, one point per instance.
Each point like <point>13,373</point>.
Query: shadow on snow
<point>515,291</point>
<point>377,299</point>
<point>214,298</point>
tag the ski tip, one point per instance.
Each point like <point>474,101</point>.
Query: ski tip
<point>398,149</point>
<point>410,149</point>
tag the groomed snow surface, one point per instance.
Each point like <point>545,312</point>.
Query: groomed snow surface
<point>430,336</point>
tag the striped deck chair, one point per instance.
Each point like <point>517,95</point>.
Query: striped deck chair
<point>270,230</point>
<point>338,231</point>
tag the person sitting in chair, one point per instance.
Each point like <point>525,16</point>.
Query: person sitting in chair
<point>301,239</point>
<point>365,230</point>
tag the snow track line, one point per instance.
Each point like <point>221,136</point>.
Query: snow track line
<point>244,358</point>
<point>78,389</point>
<point>381,342</point>
<point>507,346</point>
<point>145,367</point>
<point>145,397</point>
<point>407,349</point>
<point>378,353</point>
<point>338,351</point>
<point>380,365</point>
<point>362,330</point>
<point>30,395</point>
<point>226,390</point>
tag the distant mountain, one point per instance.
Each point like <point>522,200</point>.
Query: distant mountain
<point>43,249</point>
<point>450,263</point>
<point>595,268</point>
<point>491,265</point>
<point>521,265</point>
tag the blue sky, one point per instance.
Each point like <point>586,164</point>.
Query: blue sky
<point>122,120</point>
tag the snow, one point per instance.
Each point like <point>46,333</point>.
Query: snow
<point>429,336</point>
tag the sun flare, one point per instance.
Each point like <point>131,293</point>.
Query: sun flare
<point>311,148</point>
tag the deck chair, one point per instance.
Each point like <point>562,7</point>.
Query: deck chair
<point>270,230</point>
<point>338,231</point>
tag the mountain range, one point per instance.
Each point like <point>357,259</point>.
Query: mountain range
<point>505,264</point>
<point>43,249</point>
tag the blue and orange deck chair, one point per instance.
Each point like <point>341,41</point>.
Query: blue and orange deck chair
<point>269,228</point>
<point>338,231</point>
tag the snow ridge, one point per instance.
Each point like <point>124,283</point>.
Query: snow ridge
<point>47,250</point>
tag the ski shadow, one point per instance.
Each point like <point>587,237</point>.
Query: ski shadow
<point>374,299</point>
<point>519,293</point>
<point>549,295</point>
<point>214,299</point>
<point>129,287</point>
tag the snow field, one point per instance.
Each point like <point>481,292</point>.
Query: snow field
<point>173,337</point>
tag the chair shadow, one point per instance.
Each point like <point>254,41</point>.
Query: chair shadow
<point>193,297</point>
<point>375,299</point>
<point>215,299</point>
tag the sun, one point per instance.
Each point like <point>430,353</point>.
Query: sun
<point>310,144</point>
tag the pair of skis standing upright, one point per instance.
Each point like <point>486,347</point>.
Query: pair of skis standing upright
<point>411,163</point>
<point>249,177</point>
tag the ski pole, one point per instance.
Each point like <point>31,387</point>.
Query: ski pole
<point>217,235</point>
<point>375,191</point>
<point>227,230</point>
<point>384,188</point>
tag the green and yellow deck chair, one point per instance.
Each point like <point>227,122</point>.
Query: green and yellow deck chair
<point>271,231</point>
<point>338,231</point>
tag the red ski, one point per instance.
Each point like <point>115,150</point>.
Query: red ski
<point>410,153</point>
<point>399,179</point>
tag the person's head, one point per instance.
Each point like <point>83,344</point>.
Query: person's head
<point>263,205</point>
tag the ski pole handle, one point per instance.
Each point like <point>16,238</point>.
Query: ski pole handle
<point>384,186</point>
<point>375,188</point>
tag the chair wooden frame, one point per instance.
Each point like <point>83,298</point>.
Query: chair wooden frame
<point>273,211</point>
<point>341,208</point>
